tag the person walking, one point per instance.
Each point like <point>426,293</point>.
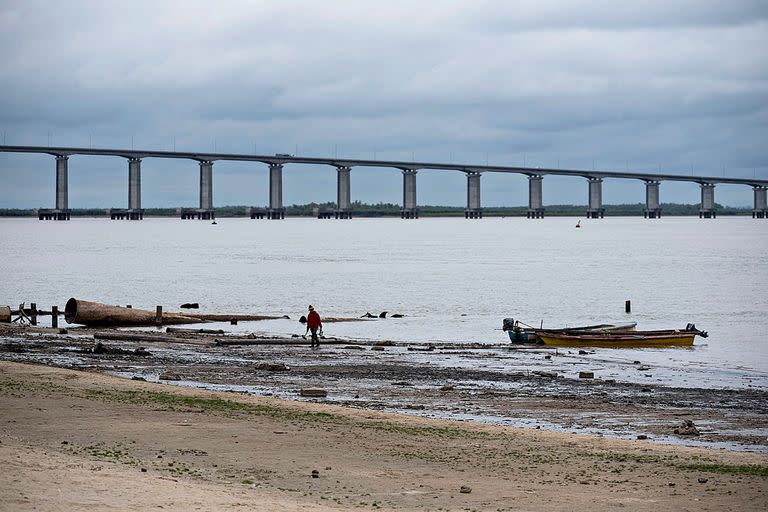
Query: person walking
<point>313,324</point>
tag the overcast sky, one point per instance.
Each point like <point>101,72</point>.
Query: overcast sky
<point>676,86</point>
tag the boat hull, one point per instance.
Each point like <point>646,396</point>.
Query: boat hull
<point>628,340</point>
<point>531,335</point>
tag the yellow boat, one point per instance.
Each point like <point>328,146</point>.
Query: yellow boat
<point>634,339</point>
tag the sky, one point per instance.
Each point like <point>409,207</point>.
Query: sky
<point>676,86</point>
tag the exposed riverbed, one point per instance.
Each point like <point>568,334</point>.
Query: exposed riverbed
<point>498,384</point>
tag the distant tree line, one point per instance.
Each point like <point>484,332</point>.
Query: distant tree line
<point>360,209</point>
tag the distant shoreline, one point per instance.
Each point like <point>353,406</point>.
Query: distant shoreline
<point>393,210</point>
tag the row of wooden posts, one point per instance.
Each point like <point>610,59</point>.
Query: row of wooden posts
<point>30,314</point>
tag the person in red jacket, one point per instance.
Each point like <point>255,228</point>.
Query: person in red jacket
<point>313,324</point>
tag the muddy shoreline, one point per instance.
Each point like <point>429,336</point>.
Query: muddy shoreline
<point>466,382</point>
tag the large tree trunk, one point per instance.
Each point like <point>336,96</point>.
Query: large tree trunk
<point>96,314</point>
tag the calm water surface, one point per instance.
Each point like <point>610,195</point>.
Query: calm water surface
<point>454,279</point>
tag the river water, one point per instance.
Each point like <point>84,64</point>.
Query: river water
<point>453,279</point>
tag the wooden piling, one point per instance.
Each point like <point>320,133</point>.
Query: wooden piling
<point>159,315</point>
<point>33,313</point>
<point>627,306</point>
<point>55,316</point>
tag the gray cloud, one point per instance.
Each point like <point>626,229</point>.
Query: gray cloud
<point>676,84</point>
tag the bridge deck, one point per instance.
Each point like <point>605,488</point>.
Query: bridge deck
<point>396,164</point>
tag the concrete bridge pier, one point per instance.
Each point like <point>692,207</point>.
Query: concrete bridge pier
<point>410,210</point>
<point>343,193</point>
<point>205,212</point>
<point>62,211</point>
<point>707,209</point>
<point>206,191</point>
<point>761,203</point>
<point>595,209</point>
<point>473,210</point>
<point>62,182</point>
<point>134,183</point>
<point>275,210</point>
<point>134,211</point>
<point>535,202</point>
<point>652,204</point>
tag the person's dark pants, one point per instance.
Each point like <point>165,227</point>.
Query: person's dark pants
<point>315,339</point>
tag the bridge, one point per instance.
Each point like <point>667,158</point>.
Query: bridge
<point>343,166</point>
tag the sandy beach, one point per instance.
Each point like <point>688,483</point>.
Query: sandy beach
<point>75,440</point>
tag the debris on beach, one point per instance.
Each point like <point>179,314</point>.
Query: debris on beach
<point>272,367</point>
<point>142,338</point>
<point>687,428</point>
<point>100,348</point>
<point>428,348</point>
<point>382,315</point>
<point>465,489</point>
<point>233,318</point>
<point>313,392</point>
<point>182,330</point>
<point>170,375</point>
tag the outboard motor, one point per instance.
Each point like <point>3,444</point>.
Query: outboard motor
<point>508,324</point>
<point>692,327</point>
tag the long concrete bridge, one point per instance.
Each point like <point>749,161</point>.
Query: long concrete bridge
<point>343,166</point>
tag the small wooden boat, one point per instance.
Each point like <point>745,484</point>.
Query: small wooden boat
<point>632,339</point>
<point>521,334</point>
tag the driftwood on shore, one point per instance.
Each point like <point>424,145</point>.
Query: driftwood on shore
<point>96,314</point>
<point>260,341</point>
<point>275,341</point>
<point>219,317</point>
<point>182,330</point>
<point>143,338</point>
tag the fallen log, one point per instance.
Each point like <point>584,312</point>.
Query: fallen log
<point>142,338</point>
<point>182,330</point>
<point>218,317</point>
<point>275,341</point>
<point>313,392</point>
<point>260,341</point>
<point>333,319</point>
<point>96,314</point>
